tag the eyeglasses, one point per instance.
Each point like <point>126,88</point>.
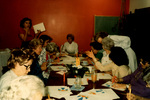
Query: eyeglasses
<point>27,67</point>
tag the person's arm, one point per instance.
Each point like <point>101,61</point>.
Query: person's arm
<point>97,63</point>
<point>38,34</point>
<point>22,36</point>
<point>76,48</point>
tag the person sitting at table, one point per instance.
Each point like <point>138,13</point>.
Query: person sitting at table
<point>121,41</point>
<point>45,39</point>
<point>26,33</point>
<point>118,66</point>
<point>26,87</point>
<point>138,80</point>
<point>19,64</point>
<point>52,52</point>
<point>36,69</point>
<point>97,50</point>
<point>70,47</point>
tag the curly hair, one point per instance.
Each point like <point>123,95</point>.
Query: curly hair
<point>20,56</point>
<point>45,37</point>
<point>23,21</point>
<point>107,43</point>
<point>52,47</point>
<point>23,88</point>
<point>70,35</point>
<point>34,43</point>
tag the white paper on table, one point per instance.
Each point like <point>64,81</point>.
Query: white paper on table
<point>110,84</point>
<point>70,81</point>
<point>67,60</point>
<point>103,76</point>
<point>59,91</point>
<point>60,72</point>
<point>58,68</point>
<point>104,94</point>
<point>95,94</point>
<point>39,26</point>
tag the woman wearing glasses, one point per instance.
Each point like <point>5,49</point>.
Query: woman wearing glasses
<point>19,64</point>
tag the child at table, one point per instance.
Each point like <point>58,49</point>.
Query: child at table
<point>139,81</point>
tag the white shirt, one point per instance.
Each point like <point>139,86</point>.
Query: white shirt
<point>105,59</point>
<point>70,48</point>
<point>6,79</point>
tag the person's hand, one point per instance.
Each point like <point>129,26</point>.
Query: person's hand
<point>90,54</point>
<point>114,79</point>
<point>43,66</point>
<point>27,30</point>
<point>119,86</point>
<point>131,96</point>
<point>38,31</point>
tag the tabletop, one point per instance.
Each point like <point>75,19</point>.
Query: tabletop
<point>58,80</point>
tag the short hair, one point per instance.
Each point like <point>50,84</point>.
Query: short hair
<point>96,45</point>
<point>119,56</point>
<point>107,43</point>
<point>33,44</point>
<point>23,21</point>
<point>100,34</point>
<point>21,56</point>
<point>52,47</point>
<point>70,35</point>
<point>23,88</point>
<point>45,37</point>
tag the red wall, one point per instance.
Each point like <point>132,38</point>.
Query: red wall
<point>59,16</point>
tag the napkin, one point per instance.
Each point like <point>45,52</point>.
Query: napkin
<point>74,89</point>
<point>58,68</point>
<point>110,84</point>
<point>59,91</point>
<point>95,94</point>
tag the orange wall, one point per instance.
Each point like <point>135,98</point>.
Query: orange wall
<point>59,16</point>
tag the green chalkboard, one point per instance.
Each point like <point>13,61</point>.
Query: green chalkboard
<point>107,24</point>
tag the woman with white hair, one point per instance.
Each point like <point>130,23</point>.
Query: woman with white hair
<point>26,87</point>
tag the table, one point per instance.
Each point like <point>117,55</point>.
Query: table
<point>57,80</point>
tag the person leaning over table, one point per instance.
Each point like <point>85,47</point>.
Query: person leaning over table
<point>26,87</point>
<point>97,50</point>
<point>70,47</point>
<point>19,64</point>
<point>120,41</point>
<point>118,66</point>
<point>139,81</point>
<point>26,33</point>
<point>36,69</point>
<point>52,52</point>
<point>45,39</point>
<point>107,44</point>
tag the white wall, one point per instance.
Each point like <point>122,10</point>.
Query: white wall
<point>137,4</point>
